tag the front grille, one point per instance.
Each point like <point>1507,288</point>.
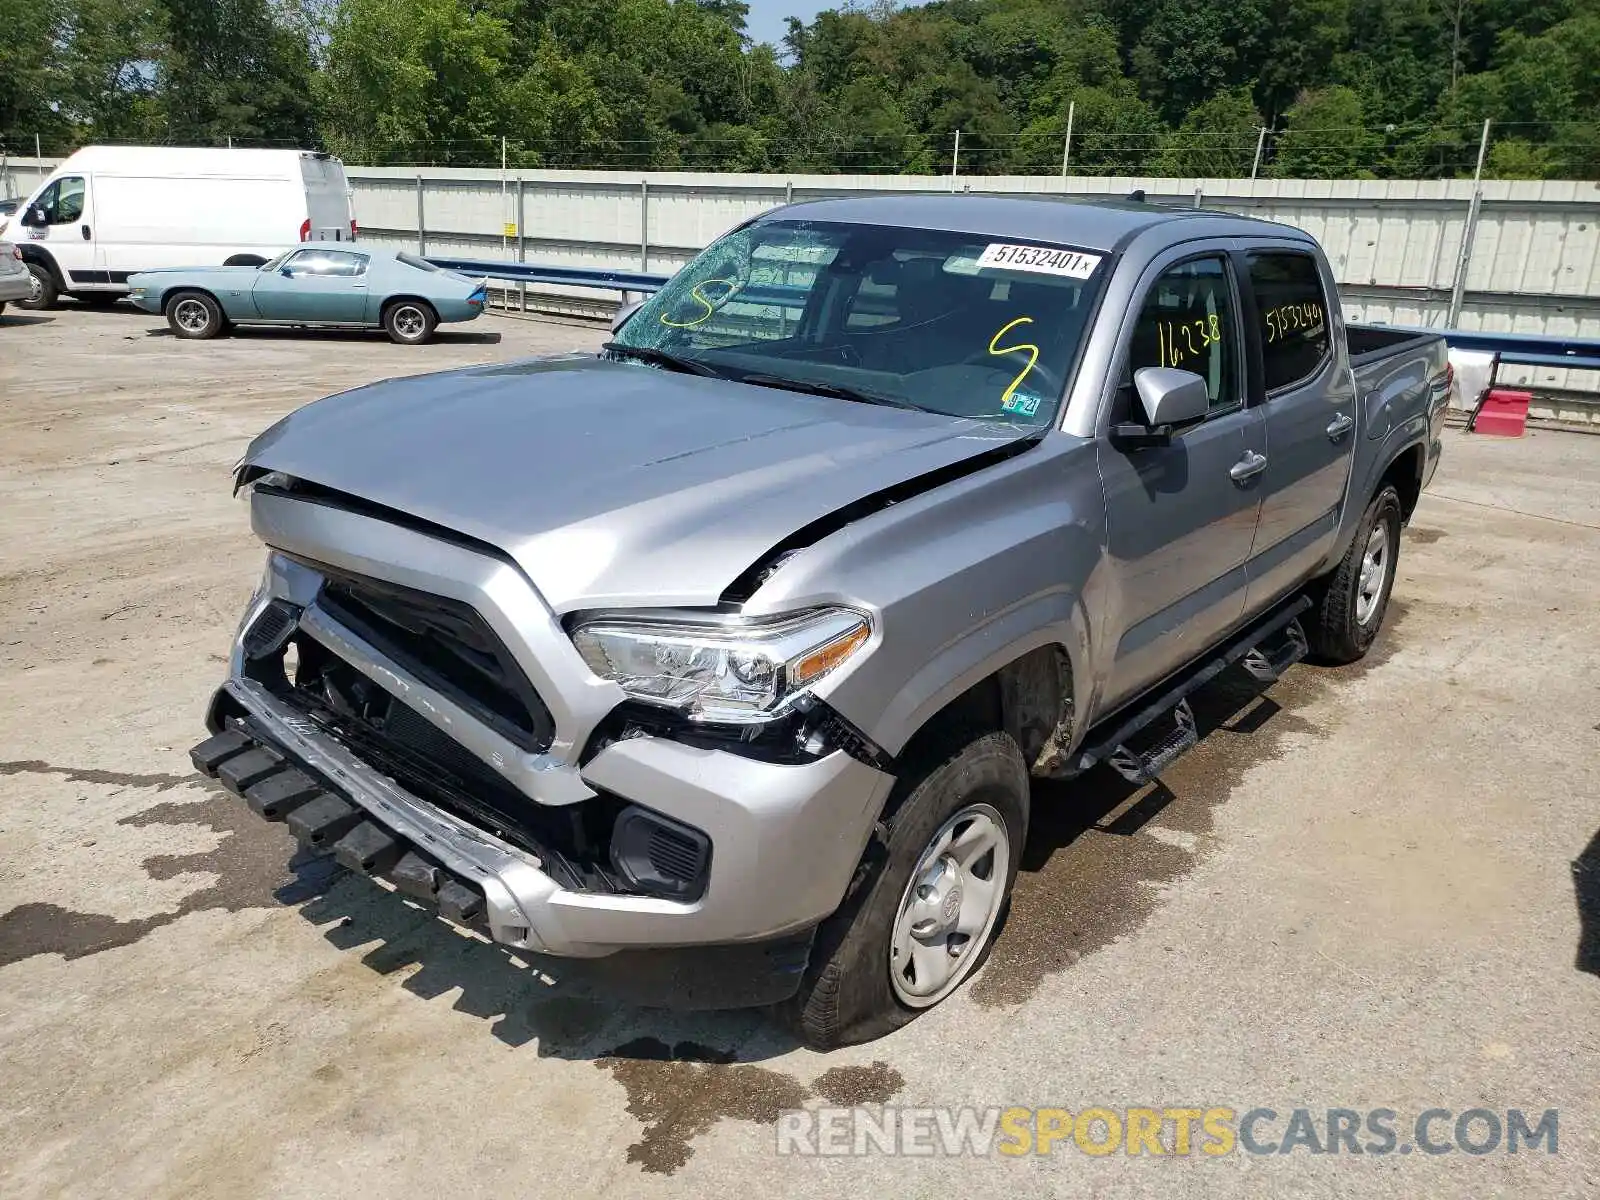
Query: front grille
<point>448,645</point>
<point>403,745</point>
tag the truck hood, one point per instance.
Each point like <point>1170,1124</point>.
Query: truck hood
<point>614,484</point>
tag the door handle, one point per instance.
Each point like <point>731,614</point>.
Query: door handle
<point>1340,425</point>
<point>1251,465</point>
<point>85,233</point>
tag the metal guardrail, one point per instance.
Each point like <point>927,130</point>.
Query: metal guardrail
<point>1522,349</point>
<point>1526,349</point>
<point>582,277</point>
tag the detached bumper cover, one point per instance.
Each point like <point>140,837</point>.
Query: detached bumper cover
<point>786,838</point>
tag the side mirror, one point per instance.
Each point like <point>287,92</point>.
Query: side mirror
<point>34,218</point>
<point>1172,401</point>
<point>286,272</point>
<point>1171,397</point>
<point>623,313</point>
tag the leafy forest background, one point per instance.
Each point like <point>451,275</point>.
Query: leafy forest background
<point>1344,88</point>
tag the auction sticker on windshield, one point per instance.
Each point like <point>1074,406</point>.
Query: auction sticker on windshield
<point>1071,263</point>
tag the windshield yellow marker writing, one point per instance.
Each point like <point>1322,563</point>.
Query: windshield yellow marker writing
<point>731,284</point>
<point>1033,354</point>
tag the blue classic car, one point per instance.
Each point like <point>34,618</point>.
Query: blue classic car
<point>402,294</point>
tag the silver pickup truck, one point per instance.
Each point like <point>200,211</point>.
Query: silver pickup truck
<point>723,658</point>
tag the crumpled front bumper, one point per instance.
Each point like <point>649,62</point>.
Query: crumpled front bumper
<point>785,839</point>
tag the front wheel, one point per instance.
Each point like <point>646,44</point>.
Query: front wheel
<point>1351,600</point>
<point>923,916</point>
<point>194,315</point>
<point>409,322</point>
<point>42,291</point>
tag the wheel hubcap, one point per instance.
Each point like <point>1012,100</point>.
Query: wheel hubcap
<point>1374,568</point>
<point>35,288</point>
<point>409,322</point>
<point>191,316</point>
<point>950,905</point>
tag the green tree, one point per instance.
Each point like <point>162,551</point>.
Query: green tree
<point>1216,138</point>
<point>414,81</point>
<point>234,68</point>
<point>1326,136</point>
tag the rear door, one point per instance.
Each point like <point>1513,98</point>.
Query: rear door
<point>67,231</point>
<point>317,284</point>
<point>1309,407</point>
<point>327,198</point>
<point>1181,518</point>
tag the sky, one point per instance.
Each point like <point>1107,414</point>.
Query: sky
<point>766,22</point>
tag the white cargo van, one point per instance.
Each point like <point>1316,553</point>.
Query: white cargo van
<point>109,211</point>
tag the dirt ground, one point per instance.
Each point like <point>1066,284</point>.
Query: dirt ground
<point>1358,892</point>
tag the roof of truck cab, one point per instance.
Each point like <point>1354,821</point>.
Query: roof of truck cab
<point>1093,223</point>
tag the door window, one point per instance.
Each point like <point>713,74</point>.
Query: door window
<point>1294,318</point>
<point>336,263</point>
<point>62,202</point>
<point>1187,322</point>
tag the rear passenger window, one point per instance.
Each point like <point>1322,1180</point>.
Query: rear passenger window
<point>1294,317</point>
<point>1187,322</point>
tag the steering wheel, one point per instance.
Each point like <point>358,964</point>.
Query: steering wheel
<point>1050,385</point>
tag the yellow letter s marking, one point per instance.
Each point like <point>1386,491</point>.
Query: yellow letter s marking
<point>731,284</point>
<point>1033,354</point>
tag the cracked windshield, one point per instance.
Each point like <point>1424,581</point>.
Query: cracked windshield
<point>945,322</point>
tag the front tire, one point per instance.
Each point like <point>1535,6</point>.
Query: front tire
<point>45,293</point>
<point>1351,601</point>
<point>922,916</point>
<point>194,315</point>
<point>409,322</point>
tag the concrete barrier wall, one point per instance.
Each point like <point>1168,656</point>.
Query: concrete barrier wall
<point>1395,245</point>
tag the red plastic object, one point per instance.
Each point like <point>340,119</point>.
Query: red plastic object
<point>1504,413</point>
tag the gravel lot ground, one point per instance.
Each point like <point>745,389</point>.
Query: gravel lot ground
<point>1358,892</point>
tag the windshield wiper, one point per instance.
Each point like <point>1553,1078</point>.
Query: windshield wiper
<point>838,391</point>
<point>663,358</point>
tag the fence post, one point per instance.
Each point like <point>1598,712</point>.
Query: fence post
<point>522,246</point>
<point>1458,287</point>
<point>644,225</point>
<point>1261,144</point>
<point>422,228</point>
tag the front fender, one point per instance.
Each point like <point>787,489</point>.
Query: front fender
<point>961,581</point>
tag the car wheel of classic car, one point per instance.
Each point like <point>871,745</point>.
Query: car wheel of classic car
<point>409,322</point>
<point>924,916</point>
<point>1354,596</point>
<point>43,294</point>
<point>194,315</point>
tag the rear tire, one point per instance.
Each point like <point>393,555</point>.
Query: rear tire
<point>862,981</point>
<point>45,293</point>
<point>1352,599</point>
<point>409,322</point>
<point>194,315</point>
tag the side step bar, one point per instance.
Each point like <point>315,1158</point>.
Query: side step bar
<point>1269,647</point>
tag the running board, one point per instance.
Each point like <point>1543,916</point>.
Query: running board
<point>1143,766</point>
<point>1268,663</point>
<point>1270,646</point>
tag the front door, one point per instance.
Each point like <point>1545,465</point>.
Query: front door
<point>315,285</point>
<point>1310,414</point>
<point>62,223</point>
<point>1181,518</point>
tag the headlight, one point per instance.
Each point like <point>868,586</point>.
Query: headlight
<point>715,672</point>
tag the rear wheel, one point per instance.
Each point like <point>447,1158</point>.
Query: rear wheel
<point>409,322</point>
<point>43,293</point>
<point>194,315</point>
<point>922,917</point>
<point>1351,600</point>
